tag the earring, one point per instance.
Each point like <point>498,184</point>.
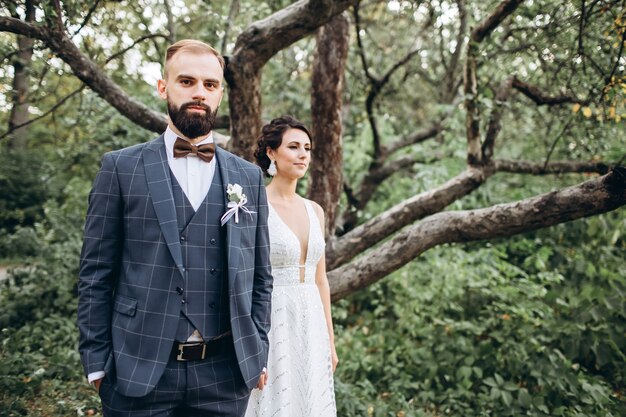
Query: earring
<point>271,170</point>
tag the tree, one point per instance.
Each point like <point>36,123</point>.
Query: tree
<point>518,65</point>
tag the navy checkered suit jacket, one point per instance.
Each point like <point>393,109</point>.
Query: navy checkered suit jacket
<point>131,264</point>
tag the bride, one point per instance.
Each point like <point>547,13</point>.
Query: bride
<point>302,357</point>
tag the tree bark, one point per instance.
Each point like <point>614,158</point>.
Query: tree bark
<point>494,126</point>
<point>539,97</point>
<point>556,167</point>
<point>596,196</point>
<point>326,181</point>
<point>244,100</point>
<point>254,47</point>
<point>472,121</point>
<point>18,120</point>
<point>472,117</point>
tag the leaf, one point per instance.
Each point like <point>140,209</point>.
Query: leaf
<point>464,372</point>
<point>491,382</point>
<point>510,386</point>
<point>524,398</point>
<point>499,379</point>
<point>507,398</point>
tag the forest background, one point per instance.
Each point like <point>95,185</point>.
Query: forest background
<point>469,156</point>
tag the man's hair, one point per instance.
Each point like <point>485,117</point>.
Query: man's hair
<point>190,45</point>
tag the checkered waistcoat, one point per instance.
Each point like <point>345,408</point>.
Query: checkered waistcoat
<point>132,264</point>
<point>204,302</point>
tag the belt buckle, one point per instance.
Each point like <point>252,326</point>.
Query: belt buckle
<point>181,350</point>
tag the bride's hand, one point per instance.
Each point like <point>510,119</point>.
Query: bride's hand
<point>334,357</point>
<point>262,379</point>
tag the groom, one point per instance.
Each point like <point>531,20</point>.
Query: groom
<point>174,297</point>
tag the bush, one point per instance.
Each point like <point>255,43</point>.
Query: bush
<point>21,243</point>
<point>531,326</point>
<point>23,191</point>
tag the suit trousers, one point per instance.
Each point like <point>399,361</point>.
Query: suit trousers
<point>210,387</point>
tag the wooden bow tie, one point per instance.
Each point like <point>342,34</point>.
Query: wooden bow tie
<point>182,148</point>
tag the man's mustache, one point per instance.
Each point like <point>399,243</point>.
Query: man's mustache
<point>205,107</point>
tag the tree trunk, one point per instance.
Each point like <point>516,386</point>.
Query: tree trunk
<point>21,83</point>
<point>326,182</point>
<point>244,100</point>
<point>254,47</point>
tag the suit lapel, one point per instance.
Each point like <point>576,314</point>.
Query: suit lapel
<point>230,175</point>
<point>160,188</point>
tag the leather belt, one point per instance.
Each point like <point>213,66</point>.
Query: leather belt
<point>196,351</point>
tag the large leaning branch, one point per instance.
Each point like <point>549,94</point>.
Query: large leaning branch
<point>366,235</point>
<point>596,196</point>
<point>350,245</point>
<point>88,72</point>
<point>266,37</point>
<point>91,74</point>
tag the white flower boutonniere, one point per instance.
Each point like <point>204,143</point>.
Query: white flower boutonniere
<point>236,201</point>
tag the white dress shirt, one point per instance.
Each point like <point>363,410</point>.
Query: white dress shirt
<point>194,176</point>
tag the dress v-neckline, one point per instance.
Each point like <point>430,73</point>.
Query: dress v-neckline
<point>295,236</point>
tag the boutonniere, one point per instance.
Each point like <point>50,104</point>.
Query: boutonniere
<point>236,201</point>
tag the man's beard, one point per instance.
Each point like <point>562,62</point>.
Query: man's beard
<point>192,124</point>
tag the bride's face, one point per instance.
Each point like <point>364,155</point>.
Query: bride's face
<point>293,155</point>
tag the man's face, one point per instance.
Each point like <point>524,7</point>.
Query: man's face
<point>193,90</point>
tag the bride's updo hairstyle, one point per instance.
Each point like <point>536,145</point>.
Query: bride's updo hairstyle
<point>272,136</point>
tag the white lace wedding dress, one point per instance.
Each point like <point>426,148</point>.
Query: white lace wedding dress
<point>299,367</point>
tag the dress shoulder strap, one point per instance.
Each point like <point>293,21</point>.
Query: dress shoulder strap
<point>314,218</point>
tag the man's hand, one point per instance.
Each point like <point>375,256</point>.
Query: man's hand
<point>262,379</point>
<point>97,383</point>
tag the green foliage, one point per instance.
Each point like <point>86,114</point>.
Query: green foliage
<point>23,192</point>
<point>46,377</point>
<point>532,326</point>
<point>47,285</point>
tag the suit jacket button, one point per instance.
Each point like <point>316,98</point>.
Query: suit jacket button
<point>179,290</point>
<point>182,238</point>
<point>213,241</point>
<point>212,271</point>
<point>212,305</point>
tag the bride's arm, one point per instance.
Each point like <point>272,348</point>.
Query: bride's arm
<point>322,284</point>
